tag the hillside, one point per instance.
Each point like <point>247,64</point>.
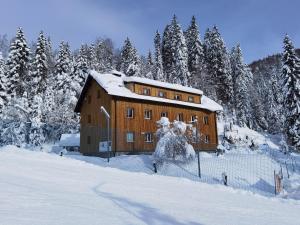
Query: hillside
<point>40,188</point>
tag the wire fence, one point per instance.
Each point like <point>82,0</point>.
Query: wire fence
<point>248,171</point>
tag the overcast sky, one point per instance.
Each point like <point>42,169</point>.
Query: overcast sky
<point>259,25</point>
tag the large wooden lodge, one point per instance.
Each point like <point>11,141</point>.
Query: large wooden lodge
<point>134,105</point>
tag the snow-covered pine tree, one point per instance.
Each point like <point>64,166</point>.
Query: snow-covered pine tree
<point>92,58</point>
<point>167,58</point>
<point>243,82</point>
<point>17,65</point>
<point>149,66</point>
<point>3,81</point>
<point>129,59</point>
<point>195,54</point>
<point>179,73</point>
<point>63,68</point>
<point>50,56</point>
<point>39,71</point>
<point>218,65</point>
<point>291,81</point>
<point>104,54</point>
<point>158,66</point>
<point>79,71</point>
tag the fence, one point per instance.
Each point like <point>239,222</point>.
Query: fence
<point>249,171</point>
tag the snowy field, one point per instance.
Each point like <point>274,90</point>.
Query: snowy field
<point>41,188</point>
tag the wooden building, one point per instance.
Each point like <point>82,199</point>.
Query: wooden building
<point>134,105</point>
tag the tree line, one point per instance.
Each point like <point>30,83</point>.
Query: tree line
<point>39,86</point>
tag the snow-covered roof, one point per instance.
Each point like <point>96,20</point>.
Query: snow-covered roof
<point>70,140</point>
<point>157,83</point>
<point>114,85</point>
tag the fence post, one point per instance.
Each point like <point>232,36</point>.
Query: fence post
<point>155,168</point>
<point>275,182</point>
<point>199,166</point>
<point>287,170</point>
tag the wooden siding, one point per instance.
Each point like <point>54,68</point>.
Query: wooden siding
<point>170,94</point>
<point>96,129</point>
<point>139,125</point>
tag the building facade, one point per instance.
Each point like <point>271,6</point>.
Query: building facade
<point>134,105</point>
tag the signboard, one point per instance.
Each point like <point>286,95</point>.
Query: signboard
<point>103,146</point>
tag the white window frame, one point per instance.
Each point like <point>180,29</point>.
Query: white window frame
<point>132,113</point>
<point>130,140</point>
<point>191,99</point>
<point>205,120</point>
<point>193,120</point>
<point>206,139</point>
<point>166,114</point>
<point>146,91</point>
<point>148,137</point>
<point>148,114</point>
<point>161,94</point>
<point>177,97</point>
<point>178,117</point>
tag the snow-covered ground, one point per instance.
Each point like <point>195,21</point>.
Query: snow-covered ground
<point>41,188</point>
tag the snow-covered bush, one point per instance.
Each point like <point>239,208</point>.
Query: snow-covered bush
<point>173,142</point>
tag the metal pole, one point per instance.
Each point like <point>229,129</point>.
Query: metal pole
<point>275,182</point>
<point>108,151</point>
<point>199,168</point>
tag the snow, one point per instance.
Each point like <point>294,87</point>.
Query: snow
<point>114,85</point>
<point>157,83</point>
<point>69,140</point>
<point>40,188</point>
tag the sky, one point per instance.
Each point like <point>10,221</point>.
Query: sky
<point>258,25</point>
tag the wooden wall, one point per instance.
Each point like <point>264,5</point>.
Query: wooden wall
<point>97,127</point>
<point>139,88</point>
<point>139,125</point>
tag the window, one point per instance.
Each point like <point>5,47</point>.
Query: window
<point>129,137</point>
<point>194,118</point>
<point>177,97</point>
<point>88,141</point>
<point>129,113</point>
<point>89,119</point>
<point>179,117</point>
<point>206,139</point>
<point>89,99</point>
<point>191,99</point>
<point>205,120</point>
<point>164,114</point>
<point>148,137</point>
<point>162,94</point>
<point>98,94</point>
<point>146,91</point>
<point>148,114</point>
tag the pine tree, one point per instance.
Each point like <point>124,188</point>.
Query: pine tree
<point>80,71</point>
<point>243,81</point>
<point>158,73</point>
<point>149,70</point>
<point>129,59</point>
<point>195,53</point>
<point>40,66</point>
<point>3,81</point>
<point>291,81</point>
<point>218,65</point>
<point>175,54</point>
<point>63,67</point>
<point>50,56</point>
<point>167,57</point>
<point>104,54</point>
<point>17,65</point>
